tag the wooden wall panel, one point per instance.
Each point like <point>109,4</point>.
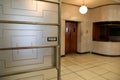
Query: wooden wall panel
<point>15,61</point>
<point>53,0</point>
<point>25,52</point>
<point>28,10</point>
<point>21,35</point>
<point>38,75</point>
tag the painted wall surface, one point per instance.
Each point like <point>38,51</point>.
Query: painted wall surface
<point>106,13</point>
<point>71,13</point>
<point>107,48</point>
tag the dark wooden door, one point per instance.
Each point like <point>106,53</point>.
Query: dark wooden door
<point>71,37</point>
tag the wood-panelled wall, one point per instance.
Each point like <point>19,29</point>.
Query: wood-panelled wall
<point>25,52</point>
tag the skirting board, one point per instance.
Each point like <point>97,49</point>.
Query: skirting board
<point>84,52</point>
<point>105,54</point>
<point>89,52</point>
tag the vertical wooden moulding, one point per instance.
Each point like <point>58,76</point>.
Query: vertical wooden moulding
<point>59,42</point>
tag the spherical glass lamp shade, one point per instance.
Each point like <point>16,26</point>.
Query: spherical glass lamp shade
<point>83,9</point>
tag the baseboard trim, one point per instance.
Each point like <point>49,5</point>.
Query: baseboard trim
<point>83,52</point>
<point>95,54</point>
<point>63,55</point>
<point>106,55</point>
<point>77,53</point>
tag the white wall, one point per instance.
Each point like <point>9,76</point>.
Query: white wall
<point>106,48</point>
<point>106,13</point>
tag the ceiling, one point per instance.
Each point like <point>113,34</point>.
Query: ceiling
<point>91,3</point>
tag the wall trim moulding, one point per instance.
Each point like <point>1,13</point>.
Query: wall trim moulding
<point>27,22</point>
<point>92,7</point>
<point>55,2</point>
<point>27,47</point>
<point>106,55</point>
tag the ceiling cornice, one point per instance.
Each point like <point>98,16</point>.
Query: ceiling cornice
<point>105,5</point>
<point>92,7</point>
<point>71,4</point>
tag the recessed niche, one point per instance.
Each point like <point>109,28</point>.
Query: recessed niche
<point>106,31</point>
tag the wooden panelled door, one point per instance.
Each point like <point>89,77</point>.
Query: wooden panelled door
<point>71,37</point>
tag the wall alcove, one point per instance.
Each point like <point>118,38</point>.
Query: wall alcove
<point>106,31</point>
<point>106,38</point>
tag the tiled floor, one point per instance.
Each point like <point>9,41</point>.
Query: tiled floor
<point>90,67</point>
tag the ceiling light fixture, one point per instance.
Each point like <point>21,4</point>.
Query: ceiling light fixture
<point>83,9</point>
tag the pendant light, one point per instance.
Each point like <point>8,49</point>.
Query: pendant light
<point>83,9</point>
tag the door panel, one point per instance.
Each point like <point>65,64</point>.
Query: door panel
<point>71,37</point>
<point>67,38</point>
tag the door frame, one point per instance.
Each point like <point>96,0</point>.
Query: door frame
<point>77,32</point>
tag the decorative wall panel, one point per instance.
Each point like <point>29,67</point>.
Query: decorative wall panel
<point>24,35</point>
<point>21,60</point>
<point>38,75</point>
<point>53,0</point>
<point>20,35</point>
<point>29,39</point>
<point>28,10</point>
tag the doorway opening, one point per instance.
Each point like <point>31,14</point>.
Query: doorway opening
<point>71,37</point>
